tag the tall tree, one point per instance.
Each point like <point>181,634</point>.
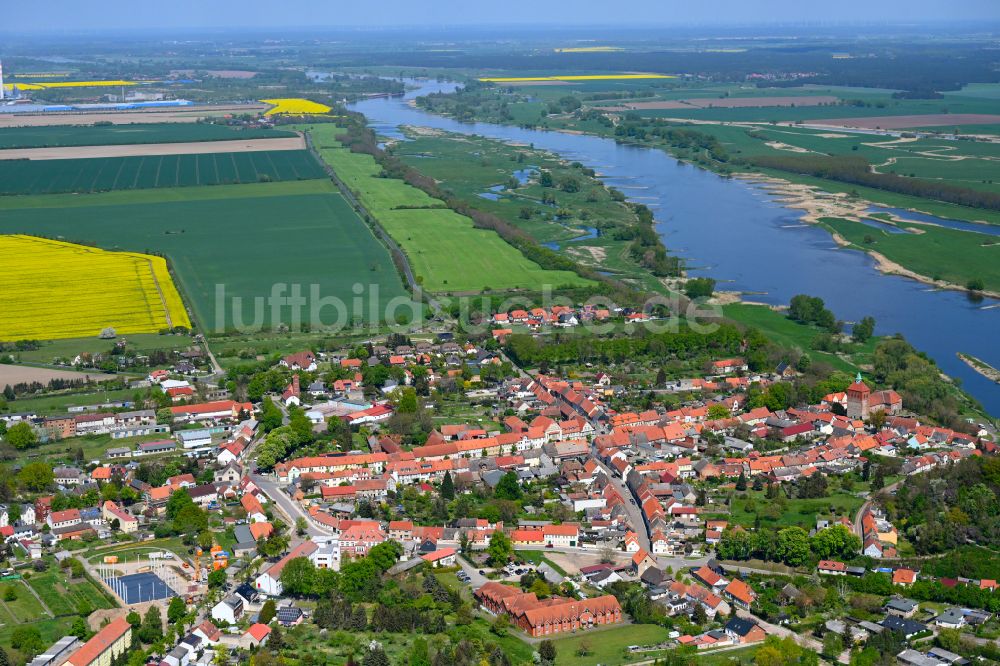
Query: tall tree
<point>447,487</point>
<point>499,549</point>
<point>508,487</point>
<point>22,436</point>
<point>151,629</point>
<point>36,476</point>
<point>176,610</point>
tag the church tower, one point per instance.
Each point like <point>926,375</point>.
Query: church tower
<point>858,397</point>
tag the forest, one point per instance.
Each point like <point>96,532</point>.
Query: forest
<point>950,506</point>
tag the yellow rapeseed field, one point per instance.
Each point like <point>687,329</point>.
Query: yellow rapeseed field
<point>585,77</point>
<point>294,106</point>
<point>50,289</point>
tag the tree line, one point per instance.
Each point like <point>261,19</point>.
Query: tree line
<point>858,171</point>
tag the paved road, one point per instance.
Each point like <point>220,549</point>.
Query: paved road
<point>475,580</point>
<point>635,517</point>
<point>864,507</point>
<point>289,507</point>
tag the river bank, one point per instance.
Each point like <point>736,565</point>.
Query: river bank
<point>817,204</point>
<point>981,366</point>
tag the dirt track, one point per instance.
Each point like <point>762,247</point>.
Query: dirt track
<point>150,149</point>
<point>187,114</point>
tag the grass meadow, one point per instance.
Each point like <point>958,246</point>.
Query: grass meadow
<point>936,252</point>
<point>447,253</point>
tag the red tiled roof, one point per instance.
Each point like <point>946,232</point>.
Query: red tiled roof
<point>831,565</point>
<point>102,640</point>
<point>259,631</point>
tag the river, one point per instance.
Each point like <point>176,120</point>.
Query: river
<point>743,237</point>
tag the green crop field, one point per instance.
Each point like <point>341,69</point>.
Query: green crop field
<point>244,246</point>
<point>105,135</point>
<point>102,174</point>
<point>164,194</point>
<point>447,253</point>
<point>936,252</point>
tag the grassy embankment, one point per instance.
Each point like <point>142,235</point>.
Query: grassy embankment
<point>446,252</point>
<point>787,333</point>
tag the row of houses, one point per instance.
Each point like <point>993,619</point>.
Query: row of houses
<point>554,615</point>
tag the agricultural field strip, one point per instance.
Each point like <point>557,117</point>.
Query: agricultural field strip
<point>157,195</point>
<point>188,114</point>
<point>60,290</point>
<point>153,149</point>
<point>103,174</point>
<point>908,121</point>
<point>48,136</point>
<point>16,374</point>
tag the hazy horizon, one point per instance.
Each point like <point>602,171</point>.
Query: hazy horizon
<point>70,15</point>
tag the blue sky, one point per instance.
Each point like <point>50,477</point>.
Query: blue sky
<point>59,15</point>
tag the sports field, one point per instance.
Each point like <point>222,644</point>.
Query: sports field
<point>113,135</point>
<point>123,173</point>
<point>446,251</point>
<point>291,233</point>
<point>50,289</point>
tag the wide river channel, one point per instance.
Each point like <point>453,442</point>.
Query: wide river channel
<point>743,237</point>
